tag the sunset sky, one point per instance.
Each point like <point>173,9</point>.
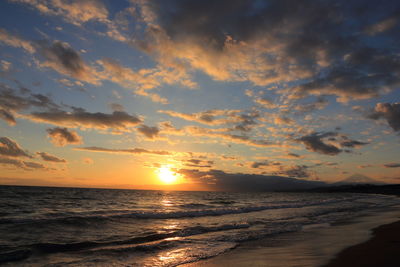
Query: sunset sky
<point>135,94</point>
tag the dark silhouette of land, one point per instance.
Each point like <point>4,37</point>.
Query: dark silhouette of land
<point>387,189</point>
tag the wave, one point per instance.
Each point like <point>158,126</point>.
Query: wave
<point>15,255</point>
<point>224,202</point>
<point>194,206</point>
<point>149,242</point>
<point>79,218</point>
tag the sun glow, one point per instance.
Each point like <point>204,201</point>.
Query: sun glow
<point>166,175</point>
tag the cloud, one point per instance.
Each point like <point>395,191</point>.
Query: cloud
<point>10,152</point>
<point>169,129</point>
<point>5,66</point>
<point>208,117</point>
<point>48,157</point>
<point>34,165</point>
<point>317,45</point>
<point>282,120</point>
<point>198,163</point>
<point>11,102</point>
<point>15,41</point>
<point>24,165</point>
<point>319,104</point>
<point>389,112</point>
<point>381,26</point>
<point>80,12</point>
<point>293,155</point>
<point>258,164</point>
<point>239,120</point>
<point>61,57</point>
<point>260,100</point>
<point>353,143</point>
<point>9,147</point>
<point>143,80</point>
<point>220,180</point>
<point>7,117</point>
<point>116,107</point>
<point>124,151</point>
<point>392,165</point>
<point>63,136</point>
<point>314,142</point>
<point>76,11</point>
<point>13,162</point>
<point>149,132</point>
<point>298,171</point>
<point>329,143</point>
<point>118,120</point>
<point>234,138</point>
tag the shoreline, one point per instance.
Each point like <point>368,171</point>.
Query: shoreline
<point>317,246</point>
<point>382,249</point>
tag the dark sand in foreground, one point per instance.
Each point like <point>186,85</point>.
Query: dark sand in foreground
<point>349,244</point>
<point>383,250</point>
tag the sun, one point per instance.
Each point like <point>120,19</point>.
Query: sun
<point>166,175</point>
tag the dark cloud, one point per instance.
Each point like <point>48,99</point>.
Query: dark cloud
<point>220,180</point>
<point>34,165</point>
<point>10,148</point>
<point>149,132</point>
<point>13,162</point>
<point>353,143</point>
<point>47,157</point>
<point>118,120</point>
<point>320,103</point>
<point>198,163</point>
<point>265,163</point>
<point>124,151</point>
<point>239,120</point>
<point>323,45</point>
<point>298,171</point>
<point>259,164</point>
<point>329,143</point>
<point>14,100</point>
<point>293,155</point>
<point>63,136</point>
<point>23,165</point>
<point>314,142</point>
<point>392,165</point>
<point>7,117</point>
<point>389,112</point>
<point>64,59</point>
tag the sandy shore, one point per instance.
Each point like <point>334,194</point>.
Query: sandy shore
<point>345,244</point>
<point>383,249</point>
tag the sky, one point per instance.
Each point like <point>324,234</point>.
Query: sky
<point>198,95</point>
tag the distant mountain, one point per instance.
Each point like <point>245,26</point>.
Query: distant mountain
<point>358,179</point>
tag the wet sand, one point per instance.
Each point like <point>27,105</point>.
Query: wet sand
<point>383,249</point>
<point>370,241</point>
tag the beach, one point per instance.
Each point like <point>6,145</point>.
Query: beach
<point>372,240</point>
<point>381,250</point>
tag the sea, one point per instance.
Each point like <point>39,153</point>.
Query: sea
<point>45,226</point>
